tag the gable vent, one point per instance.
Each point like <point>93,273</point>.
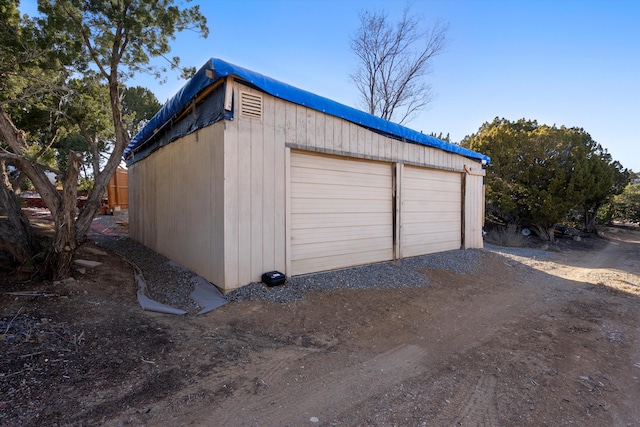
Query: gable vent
<point>250,105</point>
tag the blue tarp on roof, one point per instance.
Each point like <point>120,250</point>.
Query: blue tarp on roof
<point>221,69</point>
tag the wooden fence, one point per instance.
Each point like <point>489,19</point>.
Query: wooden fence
<point>118,190</point>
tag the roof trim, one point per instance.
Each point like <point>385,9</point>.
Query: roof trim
<point>216,69</point>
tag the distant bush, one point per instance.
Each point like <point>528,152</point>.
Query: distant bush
<point>85,185</point>
<point>506,236</point>
<point>26,185</point>
<point>627,205</point>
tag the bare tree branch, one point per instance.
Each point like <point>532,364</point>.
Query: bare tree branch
<point>393,62</point>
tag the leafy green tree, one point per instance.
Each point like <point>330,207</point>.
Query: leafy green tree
<point>606,179</point>
<point>627,204</point>
<point>139,105</point>
<point>539,173</point>
<point>34,94</point>
<point>23,75</point>
<point>88,116</point>
<point>111,40</point>
<point>596,177</point>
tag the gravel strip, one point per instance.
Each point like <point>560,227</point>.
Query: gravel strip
<point>171,284</point>
<point>167,282</point>
<point>384,275</point>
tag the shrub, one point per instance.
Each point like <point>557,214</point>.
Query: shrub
<point>506,236</point>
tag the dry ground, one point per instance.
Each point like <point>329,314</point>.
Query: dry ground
<point>523,342</point>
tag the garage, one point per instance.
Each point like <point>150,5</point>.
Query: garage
<point>431,211</point>
<point>240,174</point>
<point>341,212</point>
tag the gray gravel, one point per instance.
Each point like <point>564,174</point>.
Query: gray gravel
<point>384,275</point>
<point>167,281</point>
<point>170,283</point>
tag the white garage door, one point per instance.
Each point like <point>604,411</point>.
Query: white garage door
<point>341,212</point>
<point>431,211</point>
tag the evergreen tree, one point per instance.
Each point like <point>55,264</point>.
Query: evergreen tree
<point>539,174</point>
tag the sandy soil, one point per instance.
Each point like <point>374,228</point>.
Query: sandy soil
<point>522,342</point>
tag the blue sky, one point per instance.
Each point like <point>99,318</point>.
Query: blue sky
<point>563,62</point>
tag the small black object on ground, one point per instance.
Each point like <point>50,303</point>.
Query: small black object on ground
<point>273,278</point>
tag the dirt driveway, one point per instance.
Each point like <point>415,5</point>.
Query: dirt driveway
<point>552,339</point>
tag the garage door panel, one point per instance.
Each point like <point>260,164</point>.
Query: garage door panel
<point>448,214</point>
<point>313,265</point>
<point>336,234</point>
<point>433,248</point>
<point>435,194</point>
<point>320,191</point>
<point>341,212</point>
<point>322,207</point>
<point>317,162</point>
<point>444,186</point>
<point>431,236</point>
<point>315,176</point>
<point>346,219</point>
<point>431,211</point>
<point>432,228</point>
<point>344,247</point>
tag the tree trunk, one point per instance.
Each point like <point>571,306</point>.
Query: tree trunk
<point>590,220</point>
<point>70,232</point>
<point>61,256</point>
<point>66,240</point>
<point>18,156</point>
<point>102,178</point>
<point>16,236</point>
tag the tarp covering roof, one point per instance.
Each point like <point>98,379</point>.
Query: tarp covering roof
<point>220,69</point>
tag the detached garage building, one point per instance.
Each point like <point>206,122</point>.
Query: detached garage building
<point>239,174</point>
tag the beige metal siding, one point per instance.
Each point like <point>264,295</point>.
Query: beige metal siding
<point>176,205</point>
<point>474,210</point>
<point>142,196</point>
<point>308,129</point>
<point>431,212</point>
<point>255,204</point>
<point>341,212</point>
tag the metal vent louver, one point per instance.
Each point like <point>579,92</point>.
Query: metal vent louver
<point>250,105</point>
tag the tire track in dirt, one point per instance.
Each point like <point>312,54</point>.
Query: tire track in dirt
<point>336,389</point>
<point>474,404</point>
<point>348,382</point>
<point>300,388</point>
<point>278,362</point>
